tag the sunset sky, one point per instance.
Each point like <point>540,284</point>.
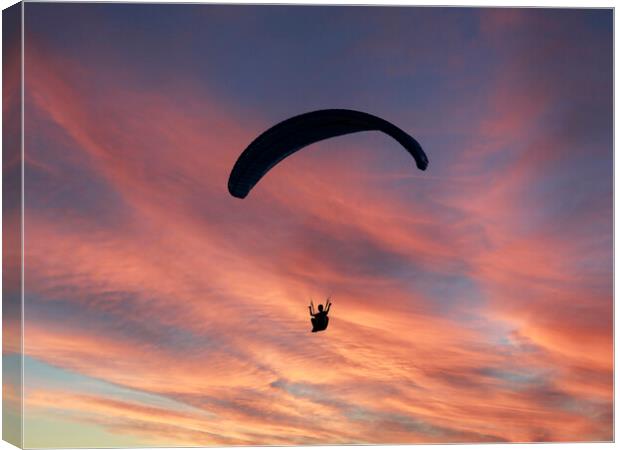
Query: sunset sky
<point>471,302</point>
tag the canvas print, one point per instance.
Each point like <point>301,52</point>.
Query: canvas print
<point>296,225</point>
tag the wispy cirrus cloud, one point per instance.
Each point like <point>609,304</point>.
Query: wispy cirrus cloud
<point>487,278</point>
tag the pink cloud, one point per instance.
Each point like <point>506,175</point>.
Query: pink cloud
<point>233,279</point>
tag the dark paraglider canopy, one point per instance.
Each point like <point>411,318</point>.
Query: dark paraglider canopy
<point>295,133</point>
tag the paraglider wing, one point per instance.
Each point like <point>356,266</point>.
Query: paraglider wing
<point>295,133</point>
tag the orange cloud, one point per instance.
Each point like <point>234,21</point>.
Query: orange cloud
<point>180,291</point>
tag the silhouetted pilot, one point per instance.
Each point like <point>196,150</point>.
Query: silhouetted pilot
<point>319,320</point>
